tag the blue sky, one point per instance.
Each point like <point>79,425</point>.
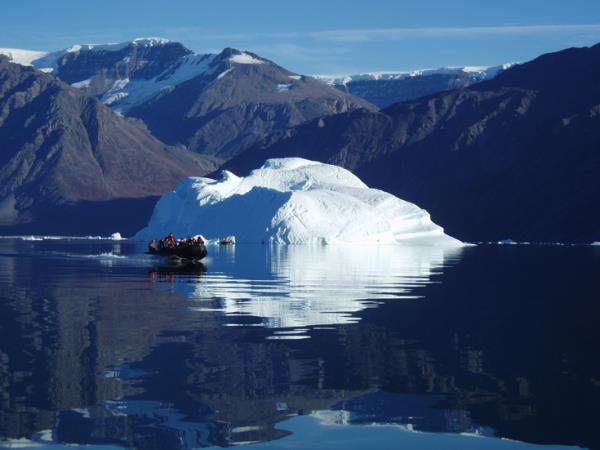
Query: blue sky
<point>319,37</point>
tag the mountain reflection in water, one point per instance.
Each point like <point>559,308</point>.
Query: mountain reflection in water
<point>113,350</point>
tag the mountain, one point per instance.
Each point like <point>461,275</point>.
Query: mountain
<point>215,104</point>
<point>240,99</point>
<point>68,162</point>
<point>120,75</point>
<point>513,157</point>
<point>384,88</point>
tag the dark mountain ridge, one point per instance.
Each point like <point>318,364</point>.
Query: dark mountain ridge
<point>60,149</point>
<point>514,157</point>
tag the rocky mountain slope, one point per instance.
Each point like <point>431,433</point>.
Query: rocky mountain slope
<point>215,104</point>
<point>384,88</point>
<point>61,150</point>
<point>238,101</point>
<point>514,157</point>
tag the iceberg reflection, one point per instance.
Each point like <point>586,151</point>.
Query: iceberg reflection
<point>312,286</point>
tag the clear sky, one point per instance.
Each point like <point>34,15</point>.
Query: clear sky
<point>318,36</point>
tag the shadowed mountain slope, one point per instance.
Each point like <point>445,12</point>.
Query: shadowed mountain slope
<point>514,157</point>
<point>60,148</point>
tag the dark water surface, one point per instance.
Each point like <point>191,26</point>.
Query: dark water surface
<point>489,347</point>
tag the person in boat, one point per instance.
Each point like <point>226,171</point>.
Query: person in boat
<point>152,246</point>
<point>171,241</point>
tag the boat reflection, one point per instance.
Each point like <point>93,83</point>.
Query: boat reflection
<point>171,271</point>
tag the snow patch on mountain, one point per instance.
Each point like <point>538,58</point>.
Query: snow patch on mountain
<point>132,92</point>
<point>245,58</point>
<point>23,57</point>
<point>222,74</point>
<point>82,84</point>
<point>141,42</point>
<point>292,201</point>
<point>48,61</point>
<point>151,41</point>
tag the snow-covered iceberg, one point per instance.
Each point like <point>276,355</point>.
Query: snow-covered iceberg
<point>292,201</point>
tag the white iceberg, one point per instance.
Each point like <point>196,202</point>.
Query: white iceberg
<point>292,201</point>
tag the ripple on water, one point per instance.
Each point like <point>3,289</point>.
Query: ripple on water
<point>316,286</point>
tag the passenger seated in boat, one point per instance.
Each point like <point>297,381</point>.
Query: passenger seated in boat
<point>152,246</point>
<point>171,241</point>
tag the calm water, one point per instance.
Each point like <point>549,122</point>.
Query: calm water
<point>299,347</point>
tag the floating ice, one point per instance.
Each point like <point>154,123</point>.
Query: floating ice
<point>292,201</point>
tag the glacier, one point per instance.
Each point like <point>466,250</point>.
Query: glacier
<point>292,201</point>
<point>478,72</point>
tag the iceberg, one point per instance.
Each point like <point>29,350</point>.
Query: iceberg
<point>292,201</point>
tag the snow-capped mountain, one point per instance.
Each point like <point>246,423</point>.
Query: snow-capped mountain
<point>120,75</point>
<point>127,74</point>
<point>216,104</point>
<point>238,101</point>
<point>385,88</point>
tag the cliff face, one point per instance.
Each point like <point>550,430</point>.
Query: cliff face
<point>59,148</point>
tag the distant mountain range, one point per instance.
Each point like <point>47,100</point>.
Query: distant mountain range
<point>515,157</point>
<point>90,135</point>
<point>384,88</point>
<point>214,104</point>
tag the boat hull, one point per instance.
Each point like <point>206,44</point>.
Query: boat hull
<point>191,252</point>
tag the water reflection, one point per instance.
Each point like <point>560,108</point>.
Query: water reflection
<point>490,342</point>
<point>310,286</point>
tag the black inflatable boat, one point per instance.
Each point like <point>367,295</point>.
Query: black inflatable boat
<point>190,252</point>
